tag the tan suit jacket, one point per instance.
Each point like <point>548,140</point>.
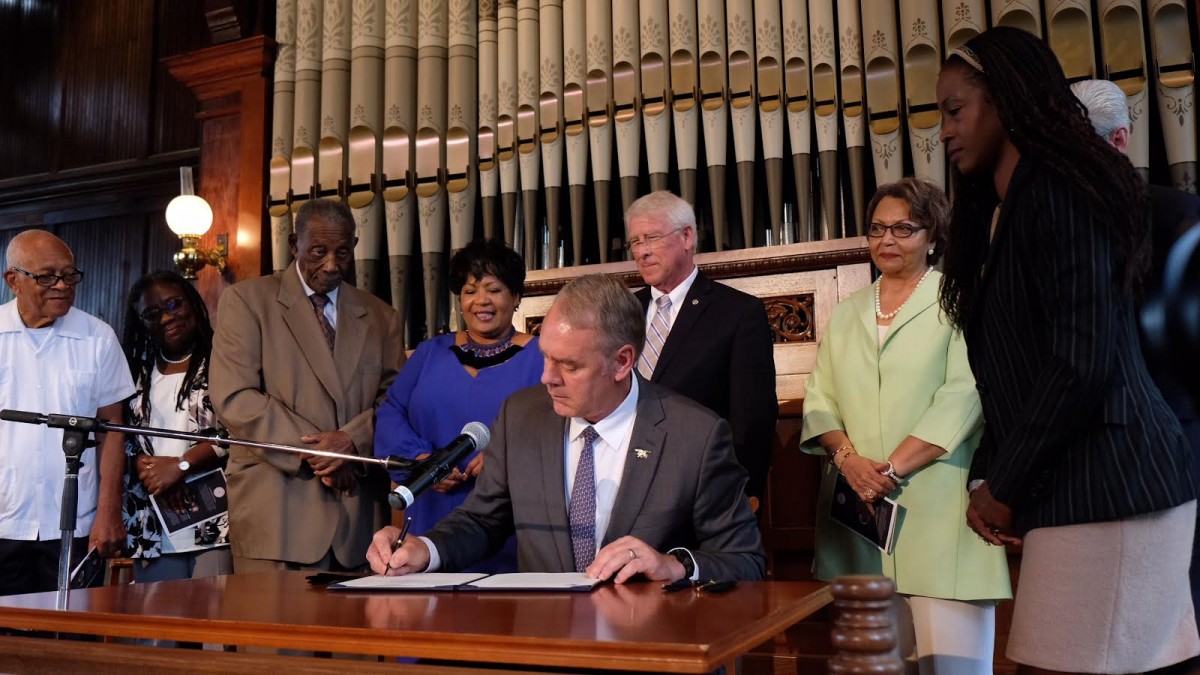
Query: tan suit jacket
<point>273,379</point>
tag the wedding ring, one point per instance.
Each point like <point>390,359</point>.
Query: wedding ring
<point>869,494</point>
<point>632,554</point>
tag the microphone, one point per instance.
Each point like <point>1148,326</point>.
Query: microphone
<point>434,469</point>
<point>22,416</point>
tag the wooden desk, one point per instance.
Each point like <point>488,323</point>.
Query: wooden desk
<point>634,627</point>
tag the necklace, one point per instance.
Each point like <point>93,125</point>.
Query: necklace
<point>182,359</point>
<point>879,308</point>
<point>479,356</point>
<point>483,351</point>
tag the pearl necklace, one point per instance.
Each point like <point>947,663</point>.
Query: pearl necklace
<point>879,308</point>
<point>168,359</point>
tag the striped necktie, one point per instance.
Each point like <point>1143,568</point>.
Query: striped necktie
<point>319,300</point>
<point>582,512</point>
<point>656,336</point>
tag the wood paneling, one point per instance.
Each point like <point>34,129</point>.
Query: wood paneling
<point>29,99</point>
<point>84,85</point>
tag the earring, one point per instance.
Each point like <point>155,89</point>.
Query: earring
<point>931,251</point>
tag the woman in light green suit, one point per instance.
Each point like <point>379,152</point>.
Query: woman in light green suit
<point>892,403</point>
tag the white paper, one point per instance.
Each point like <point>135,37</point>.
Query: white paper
<point>531,581</point>
<point>410,582</point>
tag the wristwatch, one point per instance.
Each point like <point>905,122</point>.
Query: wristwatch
<point>184,465</point>
<point>684,557</point>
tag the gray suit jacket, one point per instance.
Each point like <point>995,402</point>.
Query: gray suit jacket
<point>687,491</point>
<point>273,379</point>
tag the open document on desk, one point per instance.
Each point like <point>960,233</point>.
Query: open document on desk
<point>440,581</point>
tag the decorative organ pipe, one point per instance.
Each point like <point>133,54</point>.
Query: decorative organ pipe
<point>281,134</point>
<point>919,31</point>
<point>550,120</point>
<point>656,85</point>
<point>1023,14</point>
<point>740,36</point>
<point>883,91</point>
<point>626,88</point>
<point>599,113</point>
<point>962,21</point>
<point>574,113</point>
<point>366,139</point>
<point>769,50</point>
<point>399,147</point>
<point>506,122</point>
<point>685,93</point>
<point>307,118</point>
<point>799,111</point>
<point>1123,50</point>
<point>461,120</point>
<point>431,152</point>
<point>335,96</point>
<point>1175,80</point>
<point>1069,32</point>
<point>529,158</point>
<point>825,107</point>
<point>715,114</point>
<point>850,45</point>
<point>489,178</point>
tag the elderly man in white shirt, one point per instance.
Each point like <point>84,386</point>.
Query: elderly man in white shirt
<point>54,359</point>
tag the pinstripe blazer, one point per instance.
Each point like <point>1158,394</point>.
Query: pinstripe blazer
<point>1075,429</point>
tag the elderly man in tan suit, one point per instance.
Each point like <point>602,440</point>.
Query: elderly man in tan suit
<point>301,358</point>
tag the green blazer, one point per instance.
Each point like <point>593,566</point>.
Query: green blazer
<point>918,384</point>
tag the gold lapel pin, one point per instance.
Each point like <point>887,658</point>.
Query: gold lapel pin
<point>641,454</point>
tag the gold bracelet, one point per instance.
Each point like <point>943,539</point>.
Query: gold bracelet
<point>838,465</point>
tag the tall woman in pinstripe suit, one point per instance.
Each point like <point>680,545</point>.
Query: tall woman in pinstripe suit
<point>1081,458</point>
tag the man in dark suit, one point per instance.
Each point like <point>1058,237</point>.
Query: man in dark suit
<point>704,340</point>
<point>1173,212</point>
<point>598,471</point>
<point>300,358</point>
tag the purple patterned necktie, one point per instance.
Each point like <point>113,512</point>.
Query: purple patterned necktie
<point>656,337</point>
<point>583,503</point>
<point>319,300</point>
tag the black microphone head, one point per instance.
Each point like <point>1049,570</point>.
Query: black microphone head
<point>479,433</point>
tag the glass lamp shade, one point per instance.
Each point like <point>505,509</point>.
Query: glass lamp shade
<point>189,216</point>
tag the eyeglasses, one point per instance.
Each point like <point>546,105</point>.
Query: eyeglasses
<point>899,230</point>
<point>650,240</point>
<point>152,315</point>
<point>48,280</point>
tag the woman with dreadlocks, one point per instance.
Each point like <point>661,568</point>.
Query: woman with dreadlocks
<point>167,342</point>
<point>1081,460</point>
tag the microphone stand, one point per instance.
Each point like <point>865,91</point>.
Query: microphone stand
<point>76,438</point>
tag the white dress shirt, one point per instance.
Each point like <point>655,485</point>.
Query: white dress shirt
<point>75,368</point>
<point>677,295</point>
<point>330,307</point>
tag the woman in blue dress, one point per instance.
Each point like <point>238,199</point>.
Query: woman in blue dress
<point>462,377</point>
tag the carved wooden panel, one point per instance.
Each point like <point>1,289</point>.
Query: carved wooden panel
<point>792,317</point>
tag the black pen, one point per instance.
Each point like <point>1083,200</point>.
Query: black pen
<point>399,542</point>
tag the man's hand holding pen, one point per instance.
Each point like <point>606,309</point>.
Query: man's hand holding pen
<point>394,553</point>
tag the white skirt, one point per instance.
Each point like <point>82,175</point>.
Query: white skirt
<point>1109,597</point>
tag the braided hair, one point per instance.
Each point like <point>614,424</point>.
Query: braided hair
<point>1045,122</point>
<point>141,351</point>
